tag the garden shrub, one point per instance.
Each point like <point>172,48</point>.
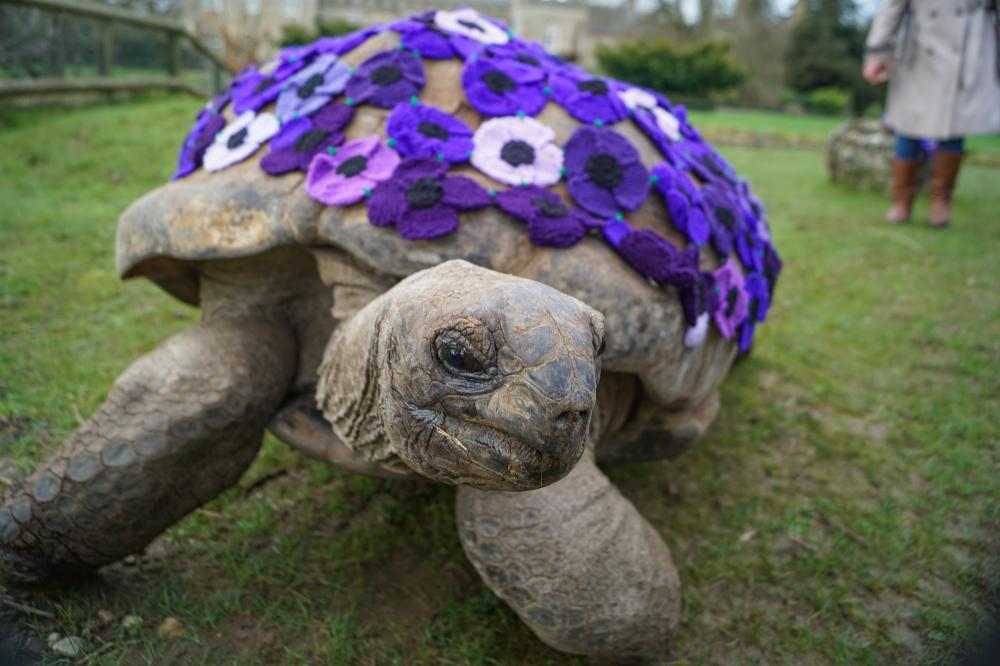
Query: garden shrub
<point>830,101</point>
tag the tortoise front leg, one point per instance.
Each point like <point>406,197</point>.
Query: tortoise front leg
<point>577,562</point>
<point>178,427</point>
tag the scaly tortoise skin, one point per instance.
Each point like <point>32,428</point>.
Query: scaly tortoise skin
<point>334,333</point>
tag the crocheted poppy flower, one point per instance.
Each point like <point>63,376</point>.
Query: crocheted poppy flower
<point>294,147</point>
<point>503,87</point>
<point>312,88</point>
<point>418,130</point>
<point>348,175</point>
<point>724,215</point>
<point>733,299</point>
<point>759,300</point>
<point>207,124</point>
<point>588,98</point>
<point>753,212</point>
<point>423,35</point>
<point>386,79</point>
<point>604,172</point>
<point>468,23</point>
<point>551,223</point>
<point>707,164</point>
<point>683,200</point>
<point>255,88</point>
<point>240,139</point>
<point>421,201</point>
<point>517,151</point>
<point>530,54</point>
<point>338,45</point>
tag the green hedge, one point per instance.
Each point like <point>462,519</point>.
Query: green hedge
<point>696,71</point>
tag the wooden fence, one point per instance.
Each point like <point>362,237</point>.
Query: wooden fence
<point>106,17</point>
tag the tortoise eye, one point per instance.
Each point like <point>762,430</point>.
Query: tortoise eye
<point>459,359</point>
<point>604,345</point>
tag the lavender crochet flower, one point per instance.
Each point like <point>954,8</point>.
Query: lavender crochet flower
<point>312,88</point>
<point>684,202</point>
<point>724,215</point>
<point>421,201</point>
<point>386,79</point>
<point>468,23</point>
<point>551,223</point>
<point>733,299</point>
<point>587,98</point>
<point>501,87</point>
<point>298,141</point>
<point>255,88</point>
<point>422,35</point>
<point>351,173</point>
<point>240,139</point>
<point>517,151</point>
<point>417,130</point>
<point>604,172</point>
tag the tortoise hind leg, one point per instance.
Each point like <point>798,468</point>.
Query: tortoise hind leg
<point>178,427</point>
<point>577,562</point>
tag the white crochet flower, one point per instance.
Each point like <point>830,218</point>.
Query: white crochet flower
<point>240,139</point>
<point>468,23</point>
<point>636,98</point>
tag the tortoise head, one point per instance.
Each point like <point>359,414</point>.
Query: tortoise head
<point>484,379</point>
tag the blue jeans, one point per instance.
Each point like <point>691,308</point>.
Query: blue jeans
<point>908,148</point>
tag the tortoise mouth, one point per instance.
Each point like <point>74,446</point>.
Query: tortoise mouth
<point>470,453</point>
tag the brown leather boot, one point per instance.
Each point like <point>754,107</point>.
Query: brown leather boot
<point>944,173</point>
<point>904,187</point>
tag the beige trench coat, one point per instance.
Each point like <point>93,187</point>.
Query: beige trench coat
<point>945,81</point>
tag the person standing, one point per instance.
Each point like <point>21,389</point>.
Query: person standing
<point>944,84</point>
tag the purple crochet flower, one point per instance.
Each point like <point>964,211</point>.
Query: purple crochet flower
<point>753,212</point>
<point>417,130</point>
<point>386,79</point>
<point>312,88</point>
<point>724,215</point>
<point>759,300</point>
<point>604,172</point>
<point>732,309</point>
<point>338,45</point>
<point>207,124</point>
<point>588,98</point>
<point>707,164</point>
<point>500,87</point>
<point>517,151</point>
<point>551,223</point>
<point>422,35</point>
<point>421,201</point>
<point>530,54</point>
<point>652,113</point>
<point>298,141</point>
<point>255,88</point>
<point>468,23</point>
<point>349,175</point>
<point>772,266</point>
<point>684,203</point>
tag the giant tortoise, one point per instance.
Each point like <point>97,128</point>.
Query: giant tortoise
<point>459,259</point>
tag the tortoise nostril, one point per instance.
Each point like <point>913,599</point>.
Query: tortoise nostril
<point>571,420</point>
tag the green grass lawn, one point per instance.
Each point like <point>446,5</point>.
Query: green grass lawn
<point>801,130</point>
<point>845,508</point>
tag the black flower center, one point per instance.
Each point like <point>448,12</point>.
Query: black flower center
<point>713,166</point>
<point>498,82</point>
<point>593,86</point>
<point>386,75</point>
<point>308,141</point>
<point>353,166</point>
<point>549,208</point>
<point>433,131</point>
<point>471,25</point>
<point>725,216</point>
<point>307,88</point>
<point>424,193</point>
<point>527,59</point>
<point>731,298</point>
<point>517,152</point>
<point>604,170</point>
<point>264,84</point>
<point>236,139</point>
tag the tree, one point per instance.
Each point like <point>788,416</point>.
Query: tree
<point>826,49</point>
